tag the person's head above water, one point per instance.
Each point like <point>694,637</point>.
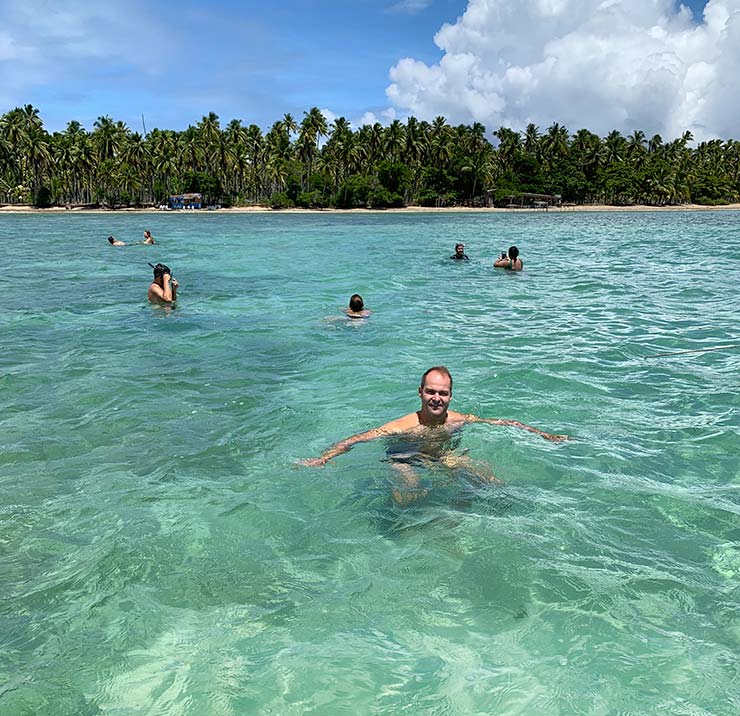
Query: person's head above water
<point>513,252</point>
<point>436,369</point>
<point>459,248</point>
<point>435,392</point>
<point>356,304</point>
<point>160,270</point>
<point>111,239</point>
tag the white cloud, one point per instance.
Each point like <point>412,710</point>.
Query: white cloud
<point>599,64</point>
<point>409,7</point>
<point>46,45</point>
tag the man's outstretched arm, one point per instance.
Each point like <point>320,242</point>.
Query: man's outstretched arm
<point>516,424</point>
<point>344,446</point>
<point>401,425</point>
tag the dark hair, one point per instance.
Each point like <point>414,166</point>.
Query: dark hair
<point>111,239</point>
<point>513,252</point>
<point>436,369</point>
<point>160,270</point>
<point>356,303</point>
<point>459,246</point>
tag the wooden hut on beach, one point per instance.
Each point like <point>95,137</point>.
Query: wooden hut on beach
<point>186,201</point>
<point>527,200</point>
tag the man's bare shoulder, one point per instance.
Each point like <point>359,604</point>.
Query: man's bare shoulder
<point>156,295</point>
<point>400,425</point>
<point>455,418</point>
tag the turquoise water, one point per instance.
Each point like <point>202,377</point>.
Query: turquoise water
<point>161,553</point>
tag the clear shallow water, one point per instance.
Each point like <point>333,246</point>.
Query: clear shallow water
<point>160,553</point>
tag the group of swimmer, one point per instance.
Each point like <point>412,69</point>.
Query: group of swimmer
<point>163,288</point>
<point>148,239</point>
<point>509,261</point>
<point>425,439</point>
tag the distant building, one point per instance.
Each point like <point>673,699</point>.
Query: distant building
<point>527,200</point>
<point>186,201</point>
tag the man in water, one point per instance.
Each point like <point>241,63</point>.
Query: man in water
<point>428,432</point>
<point>113,241</point>
<point>459,254</point>
<point>148,238</point>
<point>163,289</point>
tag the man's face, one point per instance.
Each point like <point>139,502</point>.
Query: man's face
<point>435,395</point>
<point>459,250</point>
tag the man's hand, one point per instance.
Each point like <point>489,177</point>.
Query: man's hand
<point>313,462</point>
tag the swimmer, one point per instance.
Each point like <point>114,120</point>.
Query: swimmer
<point>357,307</point>
<point>459,254</point>
<point>113,241</point>
<point>512,262</point>
<point>163,289</point>
<point>148,238</point>
<point>430,431</point>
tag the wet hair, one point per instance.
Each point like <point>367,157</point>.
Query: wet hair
<point>356,303</point>
<point>459,246</point>
<point>436,369</point>
<point>513,252</point>
<point>160,270</point>
<point>147,232</point>
<point>111,239</point>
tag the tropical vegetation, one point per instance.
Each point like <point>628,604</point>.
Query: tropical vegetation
<point>313,163</point>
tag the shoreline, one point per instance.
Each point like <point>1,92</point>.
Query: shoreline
<point>586,208</point>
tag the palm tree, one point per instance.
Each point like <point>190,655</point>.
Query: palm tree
<point>440,145</point>
<point>509,145</point>
<point>106,137</point>
<point>614,147</point>
<point>38,156</point>
<point>313,127</point>
<point>555,144</point>
<point>532,139</point>
<point>394,139</point>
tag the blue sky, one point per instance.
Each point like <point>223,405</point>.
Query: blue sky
<point>363,59</point>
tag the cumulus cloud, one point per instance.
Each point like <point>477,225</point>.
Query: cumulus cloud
<point>598,64</point>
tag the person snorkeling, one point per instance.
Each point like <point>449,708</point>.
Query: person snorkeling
<point>163,289</point>
<point>512,262</point>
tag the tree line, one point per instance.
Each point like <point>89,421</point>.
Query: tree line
<point>315,163</point>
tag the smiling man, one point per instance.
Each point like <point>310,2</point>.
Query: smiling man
<point>427,435</point>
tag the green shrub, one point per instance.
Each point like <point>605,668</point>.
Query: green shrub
<point>281,200</point>
<point>380,198</point>
<point>428,198</point>
<point>354,192</point>
<point>309,200</point>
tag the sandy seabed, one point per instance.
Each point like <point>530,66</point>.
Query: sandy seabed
<point>26,209</point>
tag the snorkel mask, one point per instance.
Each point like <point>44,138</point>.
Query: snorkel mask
<point>160,270</point>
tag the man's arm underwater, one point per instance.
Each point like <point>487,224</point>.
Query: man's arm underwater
<point>393,428</point>
<point>516,424</point>
<point>344,446</point>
